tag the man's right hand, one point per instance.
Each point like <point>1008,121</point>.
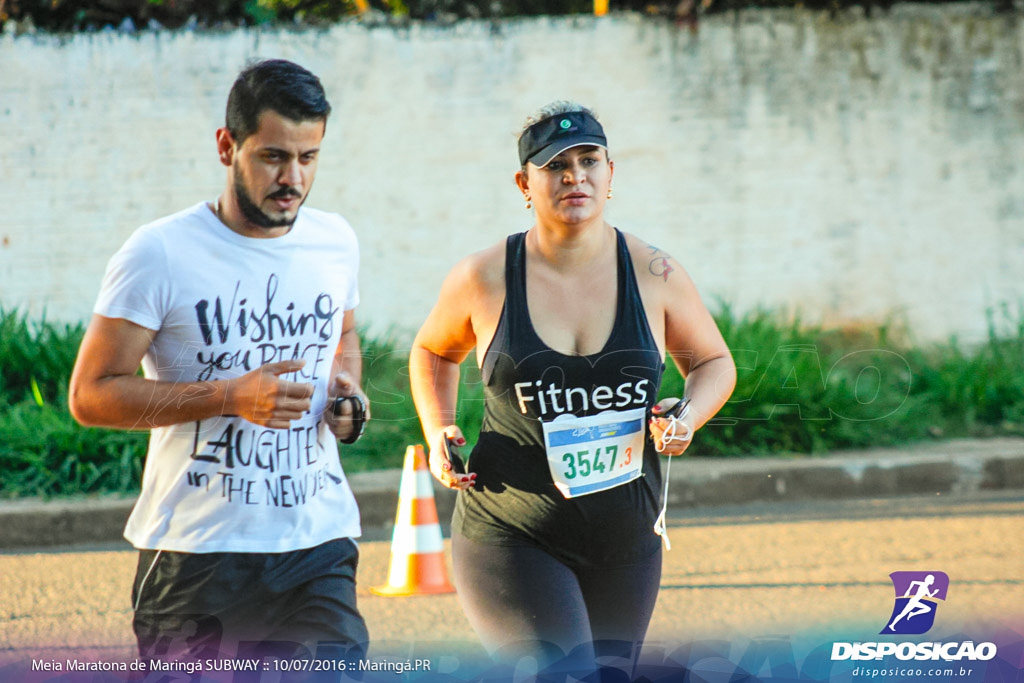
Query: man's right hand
<point>263,398</point>
<point>106,391</point>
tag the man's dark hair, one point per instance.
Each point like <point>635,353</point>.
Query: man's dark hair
<point>278,85</point>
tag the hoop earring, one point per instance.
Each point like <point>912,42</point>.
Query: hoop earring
<point>528,204</point>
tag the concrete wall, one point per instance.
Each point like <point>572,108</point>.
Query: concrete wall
<point>858,169</point>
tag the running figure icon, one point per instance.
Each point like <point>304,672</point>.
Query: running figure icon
<point>917,595</point>
<point>916,604</point>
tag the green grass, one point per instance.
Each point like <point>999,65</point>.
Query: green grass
<point>805,389</point>
<point>394,424</point>
<point>801,389</point>
<point>43,451</point>
<point>978,390</point>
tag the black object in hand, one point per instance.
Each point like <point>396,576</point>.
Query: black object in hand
<point>358,416</point>
<point>677,410</point>
<point>458,466</point>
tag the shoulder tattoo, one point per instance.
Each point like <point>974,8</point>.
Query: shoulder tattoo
<point>659,265</point>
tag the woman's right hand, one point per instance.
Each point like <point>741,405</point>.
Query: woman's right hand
<point>440,464</point>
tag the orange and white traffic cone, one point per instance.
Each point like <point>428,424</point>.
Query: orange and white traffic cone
<point>417,551</point>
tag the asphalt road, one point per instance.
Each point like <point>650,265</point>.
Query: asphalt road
<point>743,572</point>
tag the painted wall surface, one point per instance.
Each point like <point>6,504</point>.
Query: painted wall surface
<point>853,169</point>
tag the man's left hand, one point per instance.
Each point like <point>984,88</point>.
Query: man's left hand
<point>342,426</point>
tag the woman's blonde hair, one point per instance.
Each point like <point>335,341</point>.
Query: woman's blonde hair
<point>554,109</point>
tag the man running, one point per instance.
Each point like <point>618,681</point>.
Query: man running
<point>240,311</point>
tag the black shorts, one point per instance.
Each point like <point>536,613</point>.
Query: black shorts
<point>230,604</point>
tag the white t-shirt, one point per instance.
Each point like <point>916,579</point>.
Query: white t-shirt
<point>221,305</point>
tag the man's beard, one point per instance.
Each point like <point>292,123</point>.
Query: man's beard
<point>252,212</point>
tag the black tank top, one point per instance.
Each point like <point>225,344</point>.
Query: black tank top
<point>526,383</point>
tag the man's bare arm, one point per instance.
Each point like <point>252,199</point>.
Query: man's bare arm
<point>106,390</point>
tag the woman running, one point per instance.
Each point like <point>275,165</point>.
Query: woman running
<point>554,537</point>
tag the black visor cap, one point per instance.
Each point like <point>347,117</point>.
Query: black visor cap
<point>546,139</point>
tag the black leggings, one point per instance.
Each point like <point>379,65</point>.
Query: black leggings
<point>521,601</point>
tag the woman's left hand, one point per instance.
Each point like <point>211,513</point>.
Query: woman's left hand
<point>683,434</point>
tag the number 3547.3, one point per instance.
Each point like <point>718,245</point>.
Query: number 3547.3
<point>600,460</point>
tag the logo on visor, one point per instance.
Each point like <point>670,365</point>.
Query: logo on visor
<point>917,596</point>
<point>565,124</point>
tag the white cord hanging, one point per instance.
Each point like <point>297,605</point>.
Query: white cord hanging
<point>679,432</point>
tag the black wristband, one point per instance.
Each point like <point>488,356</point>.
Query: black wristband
<point>358,416</point>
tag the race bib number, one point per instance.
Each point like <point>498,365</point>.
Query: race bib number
<point>595,453</point>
